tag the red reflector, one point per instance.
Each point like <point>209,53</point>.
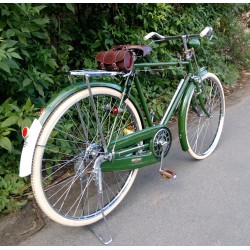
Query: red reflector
<point>25,132</point>
<point>115,111</point>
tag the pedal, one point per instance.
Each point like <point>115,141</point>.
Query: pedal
<point>167,174</point>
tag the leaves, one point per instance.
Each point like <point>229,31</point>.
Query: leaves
<point>5,67</point>
<point>15,55</point>
<point>41,21</point>
<point>10,185</point>
<point>70,7</point>
<point>12,119</point>
<point>39,8</point>
<point>5,143</point>
<point>9,121</point>
<point>10,43</point>
<point>21,37</point>
<point>10,33</point>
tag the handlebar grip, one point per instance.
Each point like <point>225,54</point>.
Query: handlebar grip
<point>151,34</point>
<point>206,32</point>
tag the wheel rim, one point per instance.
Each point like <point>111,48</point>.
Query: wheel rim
<point>68,182</point>
<point>203,131</point>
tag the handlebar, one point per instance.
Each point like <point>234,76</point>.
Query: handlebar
<point>151,34</point>
<point>207,32</point>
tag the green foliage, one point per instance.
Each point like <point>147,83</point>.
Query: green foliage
<point>12,119</point>
<point>11,188</point>
<point>39,42</point>
<point>26,57</point>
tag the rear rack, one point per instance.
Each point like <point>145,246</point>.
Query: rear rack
<point>94,73</point>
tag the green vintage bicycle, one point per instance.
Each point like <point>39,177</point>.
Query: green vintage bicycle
<point>84,151</point>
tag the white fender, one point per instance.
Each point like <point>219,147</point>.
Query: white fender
<point>28,149</point>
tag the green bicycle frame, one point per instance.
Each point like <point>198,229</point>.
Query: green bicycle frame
<point>135,150</point>
<point>124,155</point>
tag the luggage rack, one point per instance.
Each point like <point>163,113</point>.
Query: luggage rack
<point>94,73</point>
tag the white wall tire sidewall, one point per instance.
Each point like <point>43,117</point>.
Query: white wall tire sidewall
<point>210,151</point>
<point>36,173</point>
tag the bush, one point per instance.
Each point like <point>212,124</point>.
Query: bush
<point>39,42</point>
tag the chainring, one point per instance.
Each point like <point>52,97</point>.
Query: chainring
<point>161,137</point>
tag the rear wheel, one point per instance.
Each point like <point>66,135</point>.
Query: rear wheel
<point>69,142</point>
<point>203,125</point>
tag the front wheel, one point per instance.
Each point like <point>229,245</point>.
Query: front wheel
<point>204,117</point>
<point>63,179</point>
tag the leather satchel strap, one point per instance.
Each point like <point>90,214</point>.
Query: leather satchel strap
<point>100,58</point>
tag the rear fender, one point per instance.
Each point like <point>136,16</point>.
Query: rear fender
<point>34,131</point>
<point>68,91</point>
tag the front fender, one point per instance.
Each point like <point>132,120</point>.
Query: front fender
<point>30,143</point>
<point>182,116</point>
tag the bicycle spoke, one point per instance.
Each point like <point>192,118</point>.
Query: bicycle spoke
<point>202,129</point>
<point>67,154</point>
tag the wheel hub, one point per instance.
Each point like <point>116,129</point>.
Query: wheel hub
<point>93,151</point>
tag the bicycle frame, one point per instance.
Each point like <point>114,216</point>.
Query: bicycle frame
<point>123,147</point>
<point>119,148</point>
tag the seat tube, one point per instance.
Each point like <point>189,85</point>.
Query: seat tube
<point>142,99</point>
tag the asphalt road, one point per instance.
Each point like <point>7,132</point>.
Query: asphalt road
<point>208,204</point>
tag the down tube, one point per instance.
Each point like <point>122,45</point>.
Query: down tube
<point>175,100</point>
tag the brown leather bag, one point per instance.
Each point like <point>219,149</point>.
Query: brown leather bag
<point>121,57</point>
<point>115,60</point>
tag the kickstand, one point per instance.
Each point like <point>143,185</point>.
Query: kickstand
<point>98,179</point>
<point>100,237</point>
